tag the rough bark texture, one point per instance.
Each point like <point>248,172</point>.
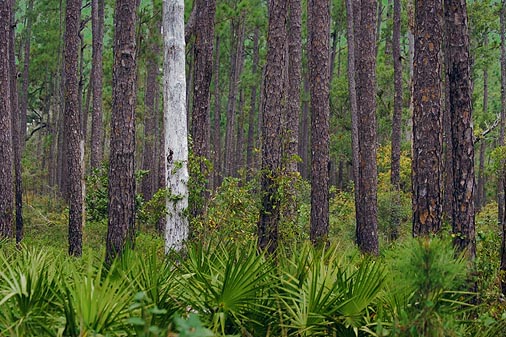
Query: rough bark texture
<point>294,82</point>
<point>216,132</point>
<point>353,102</point>
<point>15,117</point>
<point>427,139</point>
<point>319,74</point>
<point>459,74</point>
<point>150,159</point>
<point>121,226</point>
<point>72,125</point>
<point>367,224</point>
<point>204,38</point>
<point>176,132</point>
<point>6,158</point>
<point>97,129</point>
<point>397,117</point>
<point>268,231</point>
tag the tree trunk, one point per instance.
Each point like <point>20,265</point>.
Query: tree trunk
<point>239,144</point>
<point>459,74</point>
<point>216,132</point>
<point>352,56</point>
<point>319,74</point>
<point>121,226</point>
<point>304,135</point>
<point>367,224</point>
<point>176,132</point>
<point>268,231</point>
<point>204,39</point>
<point>253,104</point>
<point>26,72</point>
<point>480,193</point>
<point>16,131</point>
<point>72,125</point>
<point>427,140</point>
<point>397,117</point>
<point>150,159</point>
<point>501,182</point>
<point>97,128</point>
<point>6,157</point>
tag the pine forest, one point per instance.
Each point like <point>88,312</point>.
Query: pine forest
<point>265,168</point>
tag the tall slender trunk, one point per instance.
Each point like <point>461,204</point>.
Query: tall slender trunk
<point>176,132</point>
<point>26,71</point>
<point>268,230</point>
<point>150,159</point>
<point>121,224</point>
<point>367,224</point>
<point>500,191</point>
<point>253,103</point>
<point>216,132</point>
<point>16,131</point>
<point>319,74</point>
<point>6,158</point>
<point>304,136</point>
<point>239,144</point>
<point>97,128</point>
<point>72,125</point>
<point>427,135</point>
<point>397,117</point>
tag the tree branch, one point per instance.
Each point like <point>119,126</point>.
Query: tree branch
<point>488,130</point>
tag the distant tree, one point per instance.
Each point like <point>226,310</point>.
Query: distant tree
<point>216,131</point>
<point>97,25</point>
<point>121,226</point>
<point>176,133</point>
<point>367,221</point>
<point>6,161</point>
<point>268,226</point>
<point>427,132</point>
<point>253,103</point>
<point>319,75</point>
<point>72,126</point>
<point>502,189</point>
<point>201,122</point>
<point>26,71</point>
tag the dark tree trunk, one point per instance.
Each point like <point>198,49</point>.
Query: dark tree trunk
<point>97,128</point>
<point>271,126</point>
<point>121,226</point>
<point>319,74</point>
<point>427,140</point>
<point>459,74</point>
<point>367,224</point>
<point>26,72</point>
<point>72,126</point>
<point>253,104</point>
<point>201,124</point>
<point>150,159</point>
<point>351,16</point>
<point>397,117</point>
<point>304,135</point>
<point>6,157</point>
<point>216,133</point>
<point>15,117</point>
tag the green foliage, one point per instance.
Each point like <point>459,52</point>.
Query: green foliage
<point>424,296</point>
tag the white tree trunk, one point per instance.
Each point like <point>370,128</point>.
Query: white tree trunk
<point>176,134</point>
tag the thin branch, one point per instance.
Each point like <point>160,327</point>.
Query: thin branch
<point>41,126</point>
<point>488,130</point>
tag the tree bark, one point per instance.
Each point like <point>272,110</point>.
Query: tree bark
<point>427,140</point>
<point>253,104</point>
<point>16,131</point>
<point>176,132</point>
<point>216,132</point>
<point>150,159</point>
<point>121,225</point>
<point>268,231</point>
<point>6,156</point>
<point>319,74</point>
<point>500,191</point>
<point>97,128</point>
<point>304,136</point>
<point>72,125</point>
<point>26,72</point>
